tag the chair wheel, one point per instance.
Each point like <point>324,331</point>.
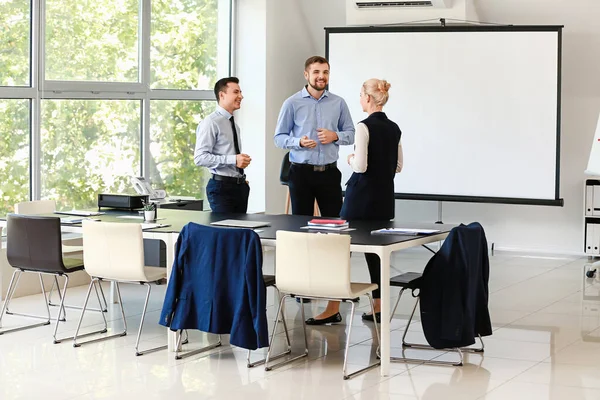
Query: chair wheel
<point>56,341</point>
<point>590,273</point>
<point>138,354</point>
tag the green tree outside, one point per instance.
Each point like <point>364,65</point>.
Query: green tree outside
<point>93,146</point>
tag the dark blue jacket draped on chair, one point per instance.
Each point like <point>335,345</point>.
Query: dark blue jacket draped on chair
<point>454,291</point>
<point>217,286</point>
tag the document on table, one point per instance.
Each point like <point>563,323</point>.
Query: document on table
<point>404,231</point>
<point>152,226</point>
<point>75,220</point>
<point>136,217</point>
<point>81,213</point>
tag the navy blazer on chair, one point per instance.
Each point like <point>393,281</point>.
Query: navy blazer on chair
<point>454,290</point>
<point>217,285</point>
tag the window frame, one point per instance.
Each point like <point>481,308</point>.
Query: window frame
<point>41,89</point>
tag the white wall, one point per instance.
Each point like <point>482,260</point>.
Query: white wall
<point>274,38</point>
<point>293,31</point>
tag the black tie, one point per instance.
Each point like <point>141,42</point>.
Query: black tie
<point>236,144</point>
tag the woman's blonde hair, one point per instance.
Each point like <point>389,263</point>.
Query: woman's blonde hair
<point>378,90</point>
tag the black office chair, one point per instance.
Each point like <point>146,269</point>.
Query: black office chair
<point>415,281</point>
<point>284,179</point>
<point>34,245</point>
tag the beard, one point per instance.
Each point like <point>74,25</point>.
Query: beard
<point>318,86</point>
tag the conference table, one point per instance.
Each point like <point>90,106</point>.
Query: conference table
<point>362,241</point>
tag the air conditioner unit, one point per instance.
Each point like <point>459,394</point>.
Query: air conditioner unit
<point>376,5</point>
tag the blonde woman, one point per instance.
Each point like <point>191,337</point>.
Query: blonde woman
<point>369,195</point>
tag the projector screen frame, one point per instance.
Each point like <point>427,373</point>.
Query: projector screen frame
<point>557,201</point>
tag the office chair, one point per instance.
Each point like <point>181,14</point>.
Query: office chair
<point>319,271</point>
<point>115,252</point>
<point>33,245</point>
<point>71,248</point>
<point>452,250</point>
<point>284,179</point>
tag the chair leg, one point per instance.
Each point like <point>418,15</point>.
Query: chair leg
<point>360,371</point>
<point>103,308</point>
<point>179,355</point>
<point>87,298</point>
<point>396,305</point>
<point>287,337</point>
<point>137,342</point>
<point>269,357</point>
<point>457,350</point>
<point>282,354</point>
<point>18,278</point>
<point>14,281</point>
<point>62,303</point>
<point>288,200</point>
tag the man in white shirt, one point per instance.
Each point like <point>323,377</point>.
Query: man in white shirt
<point>218,147</point>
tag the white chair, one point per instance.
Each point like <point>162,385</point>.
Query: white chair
<point>71,248</point>
<point>115,252</point>
<point>317,266</point>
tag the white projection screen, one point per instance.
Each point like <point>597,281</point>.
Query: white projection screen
<point>479,107</point>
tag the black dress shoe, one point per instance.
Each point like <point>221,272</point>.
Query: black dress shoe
<point>334,319</point>
<point>369,317</point>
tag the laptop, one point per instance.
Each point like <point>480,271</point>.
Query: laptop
<point>239,223</point>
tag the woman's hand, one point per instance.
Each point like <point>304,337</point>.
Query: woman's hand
<point>349,157</point>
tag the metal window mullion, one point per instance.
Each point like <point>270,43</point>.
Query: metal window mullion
<point>37,71</point>
<point>173,94</point>
<point>7,92</point>
<point>57,94</point>
<point>233,24</point>
<point>144,57</point>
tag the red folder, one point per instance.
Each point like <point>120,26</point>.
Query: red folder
<point>328,221</point>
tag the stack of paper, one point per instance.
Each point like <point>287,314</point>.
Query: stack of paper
<point>404,231</point>
<point>328,224</point>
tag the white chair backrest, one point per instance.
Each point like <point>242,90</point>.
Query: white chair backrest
<point>313,264</point>
<point>113,250</point>
<point>35,207</point>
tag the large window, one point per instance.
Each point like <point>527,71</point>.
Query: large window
<point>91,40</point>
<point>172,142</point>
<point>93,92</point>
<point>14,153</point>
<point>15,39</point>
<point>88,147</point>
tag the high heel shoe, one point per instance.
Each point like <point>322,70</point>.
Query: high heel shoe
<point>369,317</point>
<point>334,319</point>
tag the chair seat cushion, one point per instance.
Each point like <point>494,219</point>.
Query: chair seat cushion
<point>155,273</point>
<point>73,264</point>
<point>269,280</point>
<point>409,280</point>
<point>356,289</point>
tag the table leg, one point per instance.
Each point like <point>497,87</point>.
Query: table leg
<point>170,242</point>
<point>385,256</point>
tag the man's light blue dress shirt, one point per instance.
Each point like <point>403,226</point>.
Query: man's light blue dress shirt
<point>301,115</point>
<point>214,144</point>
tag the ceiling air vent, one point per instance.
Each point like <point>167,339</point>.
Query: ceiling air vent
<point>384,4</point>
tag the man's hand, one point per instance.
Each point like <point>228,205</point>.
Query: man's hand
<point>242,160</point>
<point>350,156</point>
<point>307,143</point>
<point>326,136</point>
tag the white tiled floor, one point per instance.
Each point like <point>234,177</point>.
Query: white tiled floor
<point>546,345</point>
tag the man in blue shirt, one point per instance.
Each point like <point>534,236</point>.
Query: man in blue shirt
<point>218,147</point>
<point>312,124</point>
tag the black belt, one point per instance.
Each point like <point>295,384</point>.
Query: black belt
<point>318,168</point>
<point>232,179</point>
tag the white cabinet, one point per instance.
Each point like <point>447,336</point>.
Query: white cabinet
<point>591,216</point>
